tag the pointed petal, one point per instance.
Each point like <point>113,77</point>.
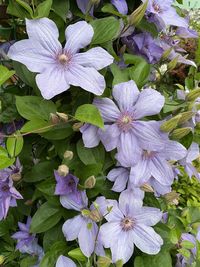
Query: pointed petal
<point>82,5</point>
<point>64,261</point>
<point>150,102</point>
<point>121,6</point>
<point>87,78</point>
<point>52,82</point>
<point>146,239</point>
<point>110,136</point>
<point>109,232</point>
<point>97,58</point>
<point>115,215</point>
<point>148,216</point>
<point>78,35</point>
<point>126,94</point>
<point>172,18</point>
<point>90,135</point>
<point>129,200</point>
<point>109,111</point>
<point>120,176</point>
<point>140,173</point>
<point>76,201</point>
<point>72,227</point>
<point>159,189</point>
<point>173,151</point>
<point>193,152</point>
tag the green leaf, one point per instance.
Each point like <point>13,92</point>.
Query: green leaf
<point>53,235</point>
<point>34,107</point>
<point>45,218</point>
<point>25,6</point>
<point>187,244</point>
<point>5,74</point>
<point>61,8</point>
<point>105,30</point>
<point>28,261</point>
<point>90,114</point>
<point>5,161</point>
<point>109,8</point>
<point>77,254</point>
<point>43,9</point>
<point>59,132</point>
<point>36,126</point>
<point>120,75</point>
<point>15,144</point>
<point>17,10</point>
<point>140,73</point>
<point>47,187</point>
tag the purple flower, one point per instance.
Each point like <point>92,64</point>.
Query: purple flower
<point>164,14</point>
<point>59,67</point>
<point>186,33</point>
<point>145,45</point>
<point>65,262</point>
<point>124,128</point>
<point>4,47</point>
<point>121,6</point>
<point>8,195</point>
<point>192,154</point>
<point>27,242</point>
<point>65,185</point>
<point>130,224</point>
<point>83,226</point>
<point>90,135</point>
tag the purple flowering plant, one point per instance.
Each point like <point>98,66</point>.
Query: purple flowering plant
<point>99,134</point>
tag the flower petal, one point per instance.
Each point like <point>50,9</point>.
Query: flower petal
<point>71,227</point>
<point>110,136</point>
<point>87,78</point>
<point>150,102</point>
<point>172,18</point>
<point>120,176</point>
<point>90,135</point>
<point>52,82</point>
<point>64,261</point>
<point>148,216</point>
<point>121,6</point>
<point>126,94</point>
<point>193,152</point>
<point>97,58</point>
<point>109,232</point>
<point>146,239</point>
<point>109,111</point>
<point>173,151</point>
<point>140,173</point>
<point>78,35</point>
<point>75,201</point>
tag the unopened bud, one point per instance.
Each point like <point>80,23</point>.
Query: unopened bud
<point>2,259</point>
<point>167,52</point>
<point>103,262</point>
<point>62,116</point>
<point>68,155</point>
<point>29,202</point>
<point>172,64</point>
<point>194,94</point>
<point>63,170</point>
<point>54,118</point>
<point>181,132</point>
<point>186,116</point>
<point>138,14</point>
<point>90,182</point>
<point>76,126</point>
<point>172,198</point>
<point>16,177</point>
<point>171,124</point>
<point>95,216</point>
<point>147,188</point>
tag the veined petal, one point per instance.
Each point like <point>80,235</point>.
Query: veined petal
<point>82,5</point>
<point>126,94</point>
<point>170,17</point>
<point>46,33</point>
<point>78,35</point>
<point>148,216</point>
<point>158,187</point>
<point>32,55</point>
<point>146,239</point>
<point>109,232</point>
<point>140,173</point>
<point>121,6</point>
<point>115,215</point>
<point>149,102</point>
<point>52,82</point>
<point>110,136</point>
<point>173,151</point>
<point>87,78</point>
<point>120,176</point>
<point>97,58</point>
<point>76,200</point>
<point>193,152</point>
<point>72,227</point>
<point>64,261</point>
<point>109,111</point>
<point>90,135</point>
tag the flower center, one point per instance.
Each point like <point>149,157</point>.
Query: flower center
<point>156,7</point>
<point>124,122</point>
<point>63,59</point>
<point>148,154</point>
<point>71,183</point>
<point>127,224</point>
<point>5,188</point>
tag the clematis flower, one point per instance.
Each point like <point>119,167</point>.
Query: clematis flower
<point>83,226</point>
<point>27,242</point>
<point>162,12</point>
<point>59,67</point>
<point>65,185</point>
<point>130,224</point>
<point>63,261</point>
<point>124,128</point>
<point>186,33</point>
<point>8,194</point>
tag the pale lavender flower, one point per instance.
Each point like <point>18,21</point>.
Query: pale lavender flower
<point>186,33</point>
<point>162,12</point>
<point>121,6</point>
<point>124,128</point>
<point>186,162</point>
<point>8,195</point>
<point>130,224</point>
<point>65,185</point>
<point>27,242</point>
<point>90,135</point>
<point>145,45</point>
<point>65,262</point>
<point>82,226</point>
<point>59,67</point>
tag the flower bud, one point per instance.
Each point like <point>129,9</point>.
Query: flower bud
<point>138,14</point>
<point>147,188</point>
<point>166,53</point>
<point>29,202</point>
<point>2,259</point>
<point>171,124</point>
<point>68,155</point>
<point>181,132</point>
<point>76,126</point>
<point>63,170</point>
<point>94,2</point>
<point>54,118</point>
<point>95,216</point>
<point>103,262</point>
<point>194,94</point>
<point>186,116</point>
<point>172,198</point>
<point>16,176</point>
<point>62,116</point>
<point>90,182</point>
<point>172,64</point>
